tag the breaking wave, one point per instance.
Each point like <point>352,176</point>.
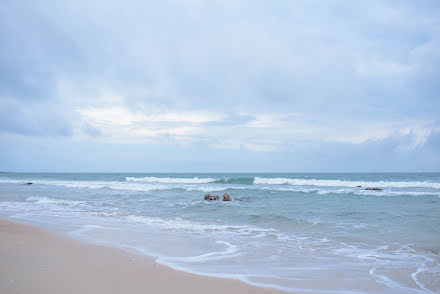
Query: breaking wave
<point>180,224</point>
<point>212,184</point>
<point>342,183</point>
<point>168,180</point>
<point>47,200</point>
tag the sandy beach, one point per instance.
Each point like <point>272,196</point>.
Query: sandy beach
<point>34,260</point>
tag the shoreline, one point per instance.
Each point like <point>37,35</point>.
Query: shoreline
<point>36,260</point>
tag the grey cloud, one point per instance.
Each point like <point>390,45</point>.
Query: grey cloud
<point>91,131</point>
<point>27,118</point>
<point>224,56</point>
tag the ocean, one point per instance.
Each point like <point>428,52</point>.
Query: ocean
<point>303,233</point>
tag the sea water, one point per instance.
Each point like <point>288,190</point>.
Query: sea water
<point>304,233</point>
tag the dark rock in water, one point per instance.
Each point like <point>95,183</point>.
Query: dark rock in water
<point>211,197</point>
<point>373,189</point>
<point>358,186</point>
<point>28,183</point>
<point>226,197</point>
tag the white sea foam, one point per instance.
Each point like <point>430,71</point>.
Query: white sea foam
<point>383,279</point>
<point>416,280</point>
<point>106,214</point>
<point>190,184</point>
<point>322,187</point>
<point>168,180</point>
<point>47,200</point>
<point>120,186</point>
<point>210,256</point>
<point>113,185</point>
<point>12,181</point>
<point>348,190</point>
<point>203,188</point>
<point>179,224</point>
<point>342,183</point>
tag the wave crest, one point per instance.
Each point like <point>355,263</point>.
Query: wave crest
<point>47,200</point>
<point>342,183</point>
<point>169,180</point>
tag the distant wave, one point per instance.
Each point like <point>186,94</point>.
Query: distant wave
<point>12,181</point>
<point>351,191</point>
<point>135,186</point>
<point>168,180</point>
<point>243,181</point>
<point>207,185</point>
<point>342,183</point>
<point>195,180</point>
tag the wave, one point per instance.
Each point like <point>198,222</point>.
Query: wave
<point>168,180</point>
<point>350,191</point>
<point>210,256</point>
<point>210,185</point>
<point>12,181</point>
<point>243,181</point>
<point>96,185</point>
<point>47,200</point>
<point>179,224</point>
<point>135,186</point>
<point>106,214</point>
<point>113,185</point>
<point>343,183</point>
<point>195,180</point>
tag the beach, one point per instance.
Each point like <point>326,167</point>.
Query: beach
<point>34,260</point>
<point>300,233</point>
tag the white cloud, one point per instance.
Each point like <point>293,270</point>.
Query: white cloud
<point>121,123</point>
<point>382,68</point>
<point>418,135</point>
<point>265,132</point>
<point>110,117</point>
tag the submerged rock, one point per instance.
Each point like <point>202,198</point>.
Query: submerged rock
<point>358,186</point>
<point>373,189</point>
<point>226,197</point>
<point>211,197</point>
<point>28,183</point>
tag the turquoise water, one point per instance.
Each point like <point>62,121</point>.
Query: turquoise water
<point>305,233</point>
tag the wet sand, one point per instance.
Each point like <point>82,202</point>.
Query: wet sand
<point>34,260</point>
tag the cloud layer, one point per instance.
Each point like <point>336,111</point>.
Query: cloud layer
<point>224,76</point>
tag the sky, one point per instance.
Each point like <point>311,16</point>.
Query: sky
<point>220,86</point>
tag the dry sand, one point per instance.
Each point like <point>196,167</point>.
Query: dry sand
<point>34,261</point>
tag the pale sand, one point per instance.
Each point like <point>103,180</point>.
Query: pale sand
<point>33,260</point>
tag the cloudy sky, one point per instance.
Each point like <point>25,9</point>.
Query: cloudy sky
<point>239,86</point>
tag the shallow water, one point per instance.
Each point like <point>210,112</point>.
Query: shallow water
<point>307,233</point>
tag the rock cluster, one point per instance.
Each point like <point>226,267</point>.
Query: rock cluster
<point>226,197</point>
<point>211,197</point>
